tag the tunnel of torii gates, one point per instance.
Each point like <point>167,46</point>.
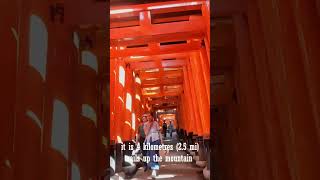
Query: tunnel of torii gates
<point>159,59</point>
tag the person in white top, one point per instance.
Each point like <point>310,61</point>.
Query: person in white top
<point>153,136</point>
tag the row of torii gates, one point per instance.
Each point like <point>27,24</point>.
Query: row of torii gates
<point>160,59</point>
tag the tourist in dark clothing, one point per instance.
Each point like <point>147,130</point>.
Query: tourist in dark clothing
<point>170,128</point>
<point>164,129</point>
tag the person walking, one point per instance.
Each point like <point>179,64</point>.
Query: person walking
<point>164,128</point>
<point>153,137</point>
<point>171,128</point>
<point>141,137</point>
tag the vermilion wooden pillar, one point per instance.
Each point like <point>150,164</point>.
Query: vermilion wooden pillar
<point>195,102</point>
<point>197,88</point>
<point>306,16</point>
<point>9,13</point>
<point>183,120</point>
<point>270,26</point>
<point>292,95</point>
<point>113,98</point>
<point>274,141</point>
<point>205,66</point>
<point>128,101</point>
<point>31,95</point>
<point>186,113</point>
<point>233,138</point>
<point>62,68</point>
<point>89,129</point>
<point>201,89</point>
<point>206,14</point>
<point>137,103</point>
<point>250,104</point>
<point>189,101</point>
<point>178,115</point>
<point>103,154</point>
<point>120,103</point>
